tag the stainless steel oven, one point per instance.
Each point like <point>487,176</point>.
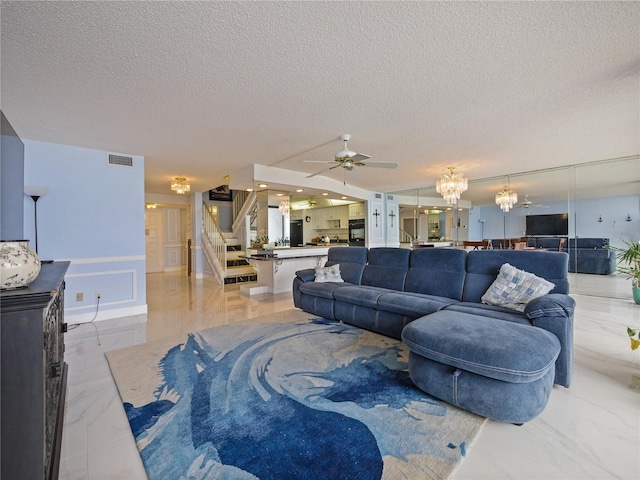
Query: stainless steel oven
<point>357,232</point>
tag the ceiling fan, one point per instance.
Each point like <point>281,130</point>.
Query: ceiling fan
<point>528,203</point>
<point>348,159</point>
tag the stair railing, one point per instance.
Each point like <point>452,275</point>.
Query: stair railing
<point>405,237</point>
<point>239,200</point>
<point>239,227</point>
<point>216,240</point>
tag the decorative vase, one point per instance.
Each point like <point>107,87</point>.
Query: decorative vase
<point>19,265</point>
<point>636,294</point>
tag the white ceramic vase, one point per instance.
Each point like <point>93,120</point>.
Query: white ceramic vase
<point>19,265</point>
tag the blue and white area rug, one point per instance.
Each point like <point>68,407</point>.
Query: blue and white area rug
<point>312,399</point>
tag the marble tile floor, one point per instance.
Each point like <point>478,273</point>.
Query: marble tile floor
<point>589,431</point>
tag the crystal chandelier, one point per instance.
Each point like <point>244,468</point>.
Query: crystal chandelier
<point>451,185</point>
<point>180,185</point>
<point>284,207</point>
<point>507,198</point>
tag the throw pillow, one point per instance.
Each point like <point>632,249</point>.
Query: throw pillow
<point>328,274</point>
<point>514,288</point>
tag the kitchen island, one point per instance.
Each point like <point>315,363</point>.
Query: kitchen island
<point>277,268</point>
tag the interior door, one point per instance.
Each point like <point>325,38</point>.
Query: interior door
<point>154,245</point>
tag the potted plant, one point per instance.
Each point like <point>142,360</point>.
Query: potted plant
<point>634,337</point>
<point>260,242</point>
<point>629,263</point>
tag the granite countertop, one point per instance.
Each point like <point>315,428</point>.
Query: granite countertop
<point>270,258</point>
<point>283,253</point>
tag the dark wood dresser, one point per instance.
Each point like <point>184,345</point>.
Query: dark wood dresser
<point>34,376</point>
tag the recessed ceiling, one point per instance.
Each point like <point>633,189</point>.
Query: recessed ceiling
<point>203,89</point>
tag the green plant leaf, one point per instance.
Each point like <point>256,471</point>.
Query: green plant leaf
<point>631,332</point>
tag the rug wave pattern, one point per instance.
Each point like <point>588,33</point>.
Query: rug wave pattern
<point>307,400</point>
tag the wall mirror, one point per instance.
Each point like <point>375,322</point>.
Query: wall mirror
<point>601,201</point>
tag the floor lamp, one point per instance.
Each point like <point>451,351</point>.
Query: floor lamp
<point>35,192</point>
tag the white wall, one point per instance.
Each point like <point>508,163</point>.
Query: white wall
<point>93,216</point>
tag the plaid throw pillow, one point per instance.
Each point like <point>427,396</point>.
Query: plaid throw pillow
<point>514,288</point>
<point>328,274</point>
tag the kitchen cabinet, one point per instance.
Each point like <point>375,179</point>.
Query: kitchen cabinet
<point>337,217</point>
<point>317,219</point>
<point>344,216</point>
<point>330,218</point>
<point>357,210</point>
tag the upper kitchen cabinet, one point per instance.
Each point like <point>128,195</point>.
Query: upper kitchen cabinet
<point>330,218</point>
<point>357,210</point>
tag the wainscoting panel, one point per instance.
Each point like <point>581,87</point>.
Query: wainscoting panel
<point>121,288</point>
<point>121,282</point>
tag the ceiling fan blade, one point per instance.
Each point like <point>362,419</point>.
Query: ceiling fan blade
<point>322,171</point>
<point>379,164</point>
<point>318,161</point>
<point>358,157</point>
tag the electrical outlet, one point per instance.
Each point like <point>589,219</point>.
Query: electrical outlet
<point>98,295</point>
<point>79,297</point>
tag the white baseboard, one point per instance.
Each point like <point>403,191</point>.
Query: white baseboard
<point>105,314</point>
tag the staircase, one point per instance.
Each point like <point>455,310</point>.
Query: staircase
<point>222,252</point>
<point>238,269</point>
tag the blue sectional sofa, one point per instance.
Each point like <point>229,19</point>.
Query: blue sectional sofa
<point>590,255</point>
<point>498,362</point>
<point>586,255</point>
<point>385,289</point>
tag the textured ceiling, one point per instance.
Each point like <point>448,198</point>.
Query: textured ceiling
<point>203,89</point>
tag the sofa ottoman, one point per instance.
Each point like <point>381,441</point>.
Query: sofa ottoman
<point>496,369</point>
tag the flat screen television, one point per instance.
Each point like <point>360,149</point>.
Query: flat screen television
<point>555,224</point>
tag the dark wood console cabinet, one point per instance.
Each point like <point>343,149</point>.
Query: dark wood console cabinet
<point>34,376</point>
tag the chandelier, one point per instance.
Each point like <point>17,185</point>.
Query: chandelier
<point>180,185</point>
<point>284,207</point>
<point>451,185</point>
<point>507,198</point>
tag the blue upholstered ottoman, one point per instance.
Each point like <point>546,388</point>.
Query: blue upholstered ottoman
<point>494,368</point>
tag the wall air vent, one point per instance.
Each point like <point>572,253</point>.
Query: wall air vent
<point>121,160</point>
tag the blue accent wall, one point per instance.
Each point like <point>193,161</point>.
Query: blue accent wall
<point>93,215</point>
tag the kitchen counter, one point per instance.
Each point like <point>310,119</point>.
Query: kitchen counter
<point>333,243</point>
<point>277,270</point>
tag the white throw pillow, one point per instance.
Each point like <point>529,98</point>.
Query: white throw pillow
<point>328,274</point>
<point>514,288</point>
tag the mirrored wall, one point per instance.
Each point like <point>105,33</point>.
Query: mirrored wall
<point>591,205</point>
